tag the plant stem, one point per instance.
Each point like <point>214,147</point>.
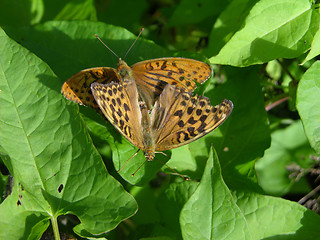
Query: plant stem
<point>55,228</point>
<point>286,70</point>
<point>276,103</point>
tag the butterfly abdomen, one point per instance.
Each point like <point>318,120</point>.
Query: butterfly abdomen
<point>147,133</point>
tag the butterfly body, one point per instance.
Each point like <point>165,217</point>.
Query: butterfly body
<point>147,133</point>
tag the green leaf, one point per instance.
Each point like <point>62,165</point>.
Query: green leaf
<point>315,48</point>
<point>70,10</point>
<point>20,13</point>
<point>264,37</point>
<point>118,12</point>
<point>276,218</point>
<point>308,104</point>
<point>172,201</point>
<point>190,11</point>
<point>211,212</point>
<point>227,24</point>
<point>288,146</point>
<point>55,167</point>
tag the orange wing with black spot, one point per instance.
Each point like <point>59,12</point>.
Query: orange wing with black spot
<point>119,104</point>
<point>184,73</point>
<point>77,88</point>
<point>179,118</point>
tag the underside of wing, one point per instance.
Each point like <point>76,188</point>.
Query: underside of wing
<point>77,88</point>
<point>178,118</point>
<point>119,103</point>
<point>155,74</point>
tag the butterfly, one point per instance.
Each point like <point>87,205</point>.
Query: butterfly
<point>151,76</point>
<point>176,119</point>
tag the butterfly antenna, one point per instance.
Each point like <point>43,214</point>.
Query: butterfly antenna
<point>135,154</point>
<point>107,46</point>
<point>133,43</point>
<point>139,168</point>
<point>185,178</point>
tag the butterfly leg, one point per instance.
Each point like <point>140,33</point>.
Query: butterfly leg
<point>132,175</point>
<point>185,178</point>
<point>135,154</point>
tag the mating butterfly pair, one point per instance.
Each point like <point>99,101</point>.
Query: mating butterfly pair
<point>177,118</point>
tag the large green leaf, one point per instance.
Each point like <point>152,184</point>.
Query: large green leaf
<point>55,167</point>
<point>214,212</point>
<point>272,29</point>
<point>308,104</point>
<point>211,212</point>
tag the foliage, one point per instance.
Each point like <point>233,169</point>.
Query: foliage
<point>57,152</point>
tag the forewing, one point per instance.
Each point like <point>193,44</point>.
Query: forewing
<point>155,74</point>
<point>119,104</point>
<point>77,88</point>
<point>178,118</point>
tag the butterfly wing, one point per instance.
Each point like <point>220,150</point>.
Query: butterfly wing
<point>153,75</point>
<point>119,104</point>
<point>178,118</point>
<point>77,88</point>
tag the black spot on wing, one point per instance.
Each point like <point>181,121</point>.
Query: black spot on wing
<point>180,123</point>
<point>202,103</point>
<point>190,110</point>
<point>119,102</point>
<point>203,118</point>
<point>178,113</point>
<point>126,117</point>
<point>112,108</point>
<point>126,107</point>
<point>191,131</point>
<point>121,124</point>
<point>164,65</point>
<point>191,120</point>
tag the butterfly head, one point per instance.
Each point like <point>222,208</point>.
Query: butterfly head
<point>124,70</point>
<point>149,155</point>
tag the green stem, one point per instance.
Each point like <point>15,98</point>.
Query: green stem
<point>55,228</point>
<point>287,71</point>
